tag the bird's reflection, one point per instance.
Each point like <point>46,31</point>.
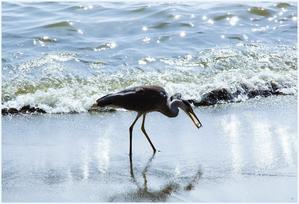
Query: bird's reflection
<point>145,193</point>
<point>147,166</point>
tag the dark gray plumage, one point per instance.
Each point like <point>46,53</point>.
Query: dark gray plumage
<point>145,99</point>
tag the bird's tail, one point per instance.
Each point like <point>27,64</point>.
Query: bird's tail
<point>105,100</point>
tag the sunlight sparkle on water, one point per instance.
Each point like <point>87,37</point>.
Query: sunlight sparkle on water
<point>233,20</point>
<point>182,34</point>
<point>177,17</point>
<point>144,28</point>
<point>231,126</point>
<point>263,143</point>
<point>294,18</point>
<point>146,40</point>
<point>112,45</point>
<point>102,153</point>
<point>245,37</point>
<point>80,31</point>
<point>286,142</point>
<point>210,21</point>
<point>87,7</point>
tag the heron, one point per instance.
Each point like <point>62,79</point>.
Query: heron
<point>146,99</point>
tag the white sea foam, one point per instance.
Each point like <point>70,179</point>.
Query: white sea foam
<point>238,70</point>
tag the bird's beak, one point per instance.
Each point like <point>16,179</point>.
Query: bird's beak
<point>194,118</point>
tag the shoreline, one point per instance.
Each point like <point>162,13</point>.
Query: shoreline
<point>215,97</point>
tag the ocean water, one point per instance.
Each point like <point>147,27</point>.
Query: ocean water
<point>62,56</point>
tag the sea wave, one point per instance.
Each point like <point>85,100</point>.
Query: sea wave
<point>208,77</point>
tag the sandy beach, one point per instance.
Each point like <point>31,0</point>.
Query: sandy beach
<point>244,152</point>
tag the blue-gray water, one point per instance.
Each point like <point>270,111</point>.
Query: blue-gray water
<point>62,56</point>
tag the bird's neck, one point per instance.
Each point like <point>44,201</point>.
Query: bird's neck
<point>172,109</point>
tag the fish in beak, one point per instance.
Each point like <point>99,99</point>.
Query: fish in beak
<point>194,118</point>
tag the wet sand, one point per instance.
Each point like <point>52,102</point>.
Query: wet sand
<point>243,152</point>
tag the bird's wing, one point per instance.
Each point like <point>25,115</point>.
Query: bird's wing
<point>134,90</point>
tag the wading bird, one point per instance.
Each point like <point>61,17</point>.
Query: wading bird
<point>145,99</point>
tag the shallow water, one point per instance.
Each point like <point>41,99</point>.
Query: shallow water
<point>243,152</point>
<point>62,56</point>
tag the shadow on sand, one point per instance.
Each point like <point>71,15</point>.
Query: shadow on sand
<point>146,193</point>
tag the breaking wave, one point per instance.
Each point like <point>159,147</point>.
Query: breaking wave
<point>218,75</point>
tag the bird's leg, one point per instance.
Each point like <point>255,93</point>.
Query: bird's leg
<point>131,129</point>
<point>147,137</point>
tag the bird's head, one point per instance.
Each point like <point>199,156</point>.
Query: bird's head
<point>186,106</point>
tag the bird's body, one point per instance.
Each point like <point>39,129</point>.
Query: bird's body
<point>145,99</point>
<point>140,99</point>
